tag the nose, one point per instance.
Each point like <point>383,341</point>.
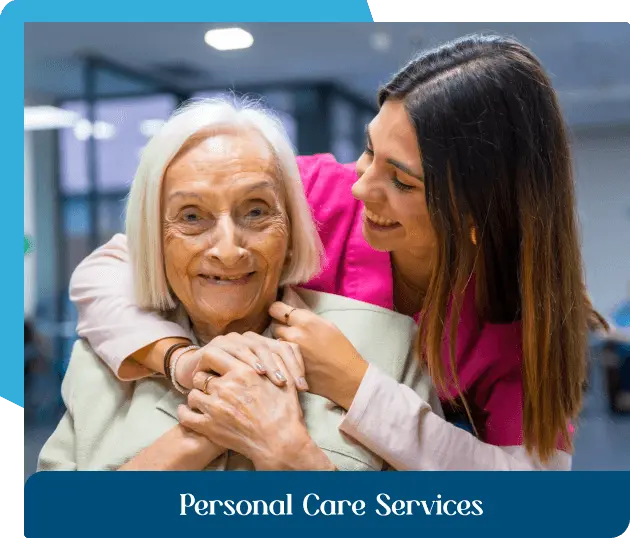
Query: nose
<point>226,246</point>
<point>366,188</point>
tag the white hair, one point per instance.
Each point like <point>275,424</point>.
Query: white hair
<point>144,211</point>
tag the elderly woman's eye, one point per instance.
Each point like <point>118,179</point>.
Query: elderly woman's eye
<point>191,216</point>
<point>256,212</point>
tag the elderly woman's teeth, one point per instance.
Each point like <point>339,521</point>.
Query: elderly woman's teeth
<point>225,279</point>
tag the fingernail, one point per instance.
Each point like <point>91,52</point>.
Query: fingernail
<point>302,384</point>
<point>259,366</point>
<point>279,376</point>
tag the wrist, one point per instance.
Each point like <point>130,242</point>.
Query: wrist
<point>301,454</point>
<point>346,385</point>
<point>185,368</point>
<point>194,447</point>
<point>157,351</point>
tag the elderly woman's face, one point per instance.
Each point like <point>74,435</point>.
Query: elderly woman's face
<point>225,228</point>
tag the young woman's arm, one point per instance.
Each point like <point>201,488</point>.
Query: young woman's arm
<point>394,422</point>
<point>131,341</point>
<point>179,449</point>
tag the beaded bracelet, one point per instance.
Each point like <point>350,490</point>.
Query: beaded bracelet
<point>174,362</point>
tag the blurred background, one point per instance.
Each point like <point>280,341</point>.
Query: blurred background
<point>94,93</point>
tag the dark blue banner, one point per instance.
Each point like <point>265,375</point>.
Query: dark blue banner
<point>532,505</point>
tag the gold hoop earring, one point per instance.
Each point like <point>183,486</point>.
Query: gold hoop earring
<point>473,235</point>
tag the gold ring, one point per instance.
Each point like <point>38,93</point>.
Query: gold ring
<point>286,316</point>
<point>205,383</point>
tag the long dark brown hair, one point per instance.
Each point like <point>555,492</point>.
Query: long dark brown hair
<point>500,193</point>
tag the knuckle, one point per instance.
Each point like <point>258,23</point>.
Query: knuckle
<point>284,346</point>
<point>241,349</point>
<point>262,351</point>
<point>249,376</point>
<point>199,378</point>
<point>193,397</point>
<point>236,375</point>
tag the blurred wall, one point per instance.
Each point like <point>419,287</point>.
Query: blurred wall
<point>602,164</point>
<point>44,170</point>
<point>29,227</point>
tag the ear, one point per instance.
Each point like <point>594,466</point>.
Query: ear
<point>287,262</point>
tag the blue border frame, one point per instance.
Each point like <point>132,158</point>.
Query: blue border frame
<point>525,503</point>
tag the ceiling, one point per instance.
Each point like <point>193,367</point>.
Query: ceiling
<point>589,62</point>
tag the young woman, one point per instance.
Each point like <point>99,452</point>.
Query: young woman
<point>465,195</point>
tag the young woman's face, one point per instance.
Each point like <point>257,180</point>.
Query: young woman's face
<point>391,185</point>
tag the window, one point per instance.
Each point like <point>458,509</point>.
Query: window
<point>344,144</point>
<point>93,208</point>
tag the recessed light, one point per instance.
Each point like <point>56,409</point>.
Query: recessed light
<point>380,41</point>
<point>82,130</point>
<point>229,39</point>
<point>48,117</point>
<point>101,130</point>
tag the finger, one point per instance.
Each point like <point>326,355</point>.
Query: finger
<point>199,401</point>
<point>300,360</point>
<point>191,419</point>
<point>282,368</point>
<point>264,349</point>
<point>245,355</point>
<point>203,381</point>
<point>292,359</point>
<point>215,359</point>
<point>286,333</point>
<point>287,314</point>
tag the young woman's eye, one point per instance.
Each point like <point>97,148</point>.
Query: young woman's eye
<point>367,149</point>
<point>401,186</point>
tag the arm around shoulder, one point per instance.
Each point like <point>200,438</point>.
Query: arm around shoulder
<point>120,332</point>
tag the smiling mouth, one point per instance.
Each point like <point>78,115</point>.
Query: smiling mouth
<point>225,280</point>
<point>377,222</point>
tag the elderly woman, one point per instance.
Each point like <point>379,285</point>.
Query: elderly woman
<point>218,230</point>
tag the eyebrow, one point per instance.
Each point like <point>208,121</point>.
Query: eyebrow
<point>183,194</point>
<point>394,162</point>
<point>254,187</point>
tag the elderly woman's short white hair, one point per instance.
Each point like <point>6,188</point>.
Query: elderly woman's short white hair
<point>144,211</point>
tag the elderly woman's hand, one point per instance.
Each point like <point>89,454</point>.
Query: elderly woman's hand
<point>266,356</point>
<point>334,368</point>
<point>242,411</point>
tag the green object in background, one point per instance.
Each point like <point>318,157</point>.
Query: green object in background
<point>28,245</point>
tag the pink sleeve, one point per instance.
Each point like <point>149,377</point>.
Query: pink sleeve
<point>352,269</point>
<point>101,289</point>
<point>394,422</point>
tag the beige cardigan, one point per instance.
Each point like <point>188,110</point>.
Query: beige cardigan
<point>108,422</point>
